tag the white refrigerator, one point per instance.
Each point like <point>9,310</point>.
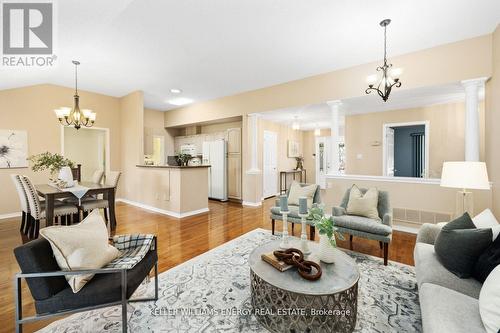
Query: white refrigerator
<point>215,155</point>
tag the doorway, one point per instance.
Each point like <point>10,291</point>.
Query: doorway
<point>270,164</point>
<point>322,160</point>
<point>88,147</point>
<point>406,149</point>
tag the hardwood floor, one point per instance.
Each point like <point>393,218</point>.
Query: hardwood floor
<point>178,241</point>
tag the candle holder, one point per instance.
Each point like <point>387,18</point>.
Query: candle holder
<point>304,246</point>
<point>284,236</point>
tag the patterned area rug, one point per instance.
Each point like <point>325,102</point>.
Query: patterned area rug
<point>211,293</point>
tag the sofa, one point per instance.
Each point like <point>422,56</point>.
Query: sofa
<point>448,303</point>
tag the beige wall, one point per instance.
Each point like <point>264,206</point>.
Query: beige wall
<point>467,59</point>
<point>493,123</point>
<point>446,137</point>
<point>154,120</point>
<point>31,109</point>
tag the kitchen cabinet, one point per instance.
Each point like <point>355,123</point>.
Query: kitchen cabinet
<point>234,176</point>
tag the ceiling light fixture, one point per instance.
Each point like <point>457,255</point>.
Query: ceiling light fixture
<point>388,77</point>
<point>76,117</point>
<point>179,101</point>
<point>176,91</point>
<point>295,124</point>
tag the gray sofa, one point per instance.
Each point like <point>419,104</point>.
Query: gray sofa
<point>448,303</point>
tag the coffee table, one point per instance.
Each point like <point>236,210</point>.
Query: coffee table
<point>285,302</point>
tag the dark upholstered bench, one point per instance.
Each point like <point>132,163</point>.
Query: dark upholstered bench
<point>53,295</point>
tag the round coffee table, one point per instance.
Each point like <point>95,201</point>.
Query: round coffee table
<point>285,302</point>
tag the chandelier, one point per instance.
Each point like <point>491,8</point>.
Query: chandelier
<point>75,117</point>
<point>387,76</point>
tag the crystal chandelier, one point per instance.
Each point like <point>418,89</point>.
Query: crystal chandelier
<point>387,76</point>
<point>76,117</point>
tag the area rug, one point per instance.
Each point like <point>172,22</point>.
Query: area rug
<point>211,293</point>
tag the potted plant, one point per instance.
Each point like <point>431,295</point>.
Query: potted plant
<point>49,161</point>
<point>327,233</point>
<point>183,158</point>
<point>300,163</point>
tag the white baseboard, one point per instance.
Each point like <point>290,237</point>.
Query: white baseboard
<point>405,229</point>
<point>163,211</point>
<point>252,204</point>
<point>9,215</point>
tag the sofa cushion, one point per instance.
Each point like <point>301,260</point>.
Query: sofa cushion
<point>487,261</point>
<point>429,270</point>
<point>489,302</point>
<point>362,224</point>
<point>459,245</point>
<point>363,204</point>
<point>446,310</point>
<point>297,190</point>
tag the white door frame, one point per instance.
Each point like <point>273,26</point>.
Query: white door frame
<point>426,123</point>
<point>106,142</point>
<point>265,195</point>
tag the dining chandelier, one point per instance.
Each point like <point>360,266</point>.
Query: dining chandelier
<point>387,76</point>
<point>76,117</point>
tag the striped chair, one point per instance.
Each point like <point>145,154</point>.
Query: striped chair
<point>23,199</point>
<point>37,209</point>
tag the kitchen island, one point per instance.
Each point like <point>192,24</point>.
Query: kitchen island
<point>177,191</point>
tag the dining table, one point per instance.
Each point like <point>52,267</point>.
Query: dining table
<point>52,193</point>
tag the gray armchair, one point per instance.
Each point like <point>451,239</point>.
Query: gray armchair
<point>293,216</point>
<point>365,227</point>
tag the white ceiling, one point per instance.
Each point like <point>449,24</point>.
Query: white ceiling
<point>319,115</point>
<point>216,48</point>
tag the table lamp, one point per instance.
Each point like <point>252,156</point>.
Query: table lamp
<point>465,175</point>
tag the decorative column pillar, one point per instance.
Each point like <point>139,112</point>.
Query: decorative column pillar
<point>253,131</point>
<point>472,88</point>
<point>335,137</point>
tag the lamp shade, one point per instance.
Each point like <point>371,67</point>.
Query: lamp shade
<point>465,175</point>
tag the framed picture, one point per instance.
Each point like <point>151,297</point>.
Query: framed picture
<point>13,149</point>
<point>293,148</point>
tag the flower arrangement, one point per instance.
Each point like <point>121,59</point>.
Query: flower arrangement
<point>300,162</point>
<point>52,162</point>
<point>325,225</point>
<point>183,158</point>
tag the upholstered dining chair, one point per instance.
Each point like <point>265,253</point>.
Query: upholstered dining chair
<point>293,217</point>
<point>88,205</point>
<point>37,209</point>
<point>97,176</point>
<point>23,200</point>
<point>96,179</point>
<point>365,227</point>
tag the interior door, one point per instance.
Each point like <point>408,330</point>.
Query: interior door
<point>270,164</point>
<point>322,160</point>
<point>389,151</point>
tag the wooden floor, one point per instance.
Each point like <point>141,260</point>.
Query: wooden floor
<point>178,241</point>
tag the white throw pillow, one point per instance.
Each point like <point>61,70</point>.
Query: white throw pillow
<point>489,302</point>
<point>486,219</point>
<point>297,191</point>
<point>81,246</point>
<point>363,204</point>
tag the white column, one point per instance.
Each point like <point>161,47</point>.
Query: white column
<point>253,131</point>
<point>472,88</point>
<point>335,136</point>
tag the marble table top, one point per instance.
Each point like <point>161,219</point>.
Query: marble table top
<point>336,277</point>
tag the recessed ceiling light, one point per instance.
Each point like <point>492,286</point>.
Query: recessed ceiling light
<point>175,90</point>
<point>180,101</point>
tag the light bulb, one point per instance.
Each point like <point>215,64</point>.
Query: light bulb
<point>396,72</point>
<point>87,113</point>
<point>371,79</point>
<point>92,116</point>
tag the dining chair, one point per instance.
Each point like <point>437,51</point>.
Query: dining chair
<point>97,176</point>
<point>112,179</point>
<point>37,210</point>
<point>96,179</point>
<point>23,199</point>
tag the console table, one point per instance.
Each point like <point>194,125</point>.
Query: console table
<point>283,178</point>
<point>285,302</point>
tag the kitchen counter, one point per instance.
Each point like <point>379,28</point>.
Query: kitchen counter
<point>173,166</point>
<point>177,191</point>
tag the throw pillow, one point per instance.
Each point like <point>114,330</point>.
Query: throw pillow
<point>459,244</point>
<point>363,205</point>
<point>489,302</point>
<point>297,191</point>
<point>81,246</point>
<point>487,261</point>
<point>486,219</point>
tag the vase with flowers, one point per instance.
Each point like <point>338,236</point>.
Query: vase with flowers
<point>50,161</point>
<point>327,233</point>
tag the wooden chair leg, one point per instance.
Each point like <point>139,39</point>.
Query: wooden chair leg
<point>381,245</point>
<point>272,225</point>
<point>386,253</point>
<point>29,224</point>
<point>23,221</point>
<point>106,215</point>
<point>32,228</point>
<point>312,231</point>
<point>56,220</point>
<point>293,228</point>
<point>350,242</point>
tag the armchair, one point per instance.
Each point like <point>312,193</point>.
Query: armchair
<point>54,297</point>
<point>293,216</point>
<point>365,227</point>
